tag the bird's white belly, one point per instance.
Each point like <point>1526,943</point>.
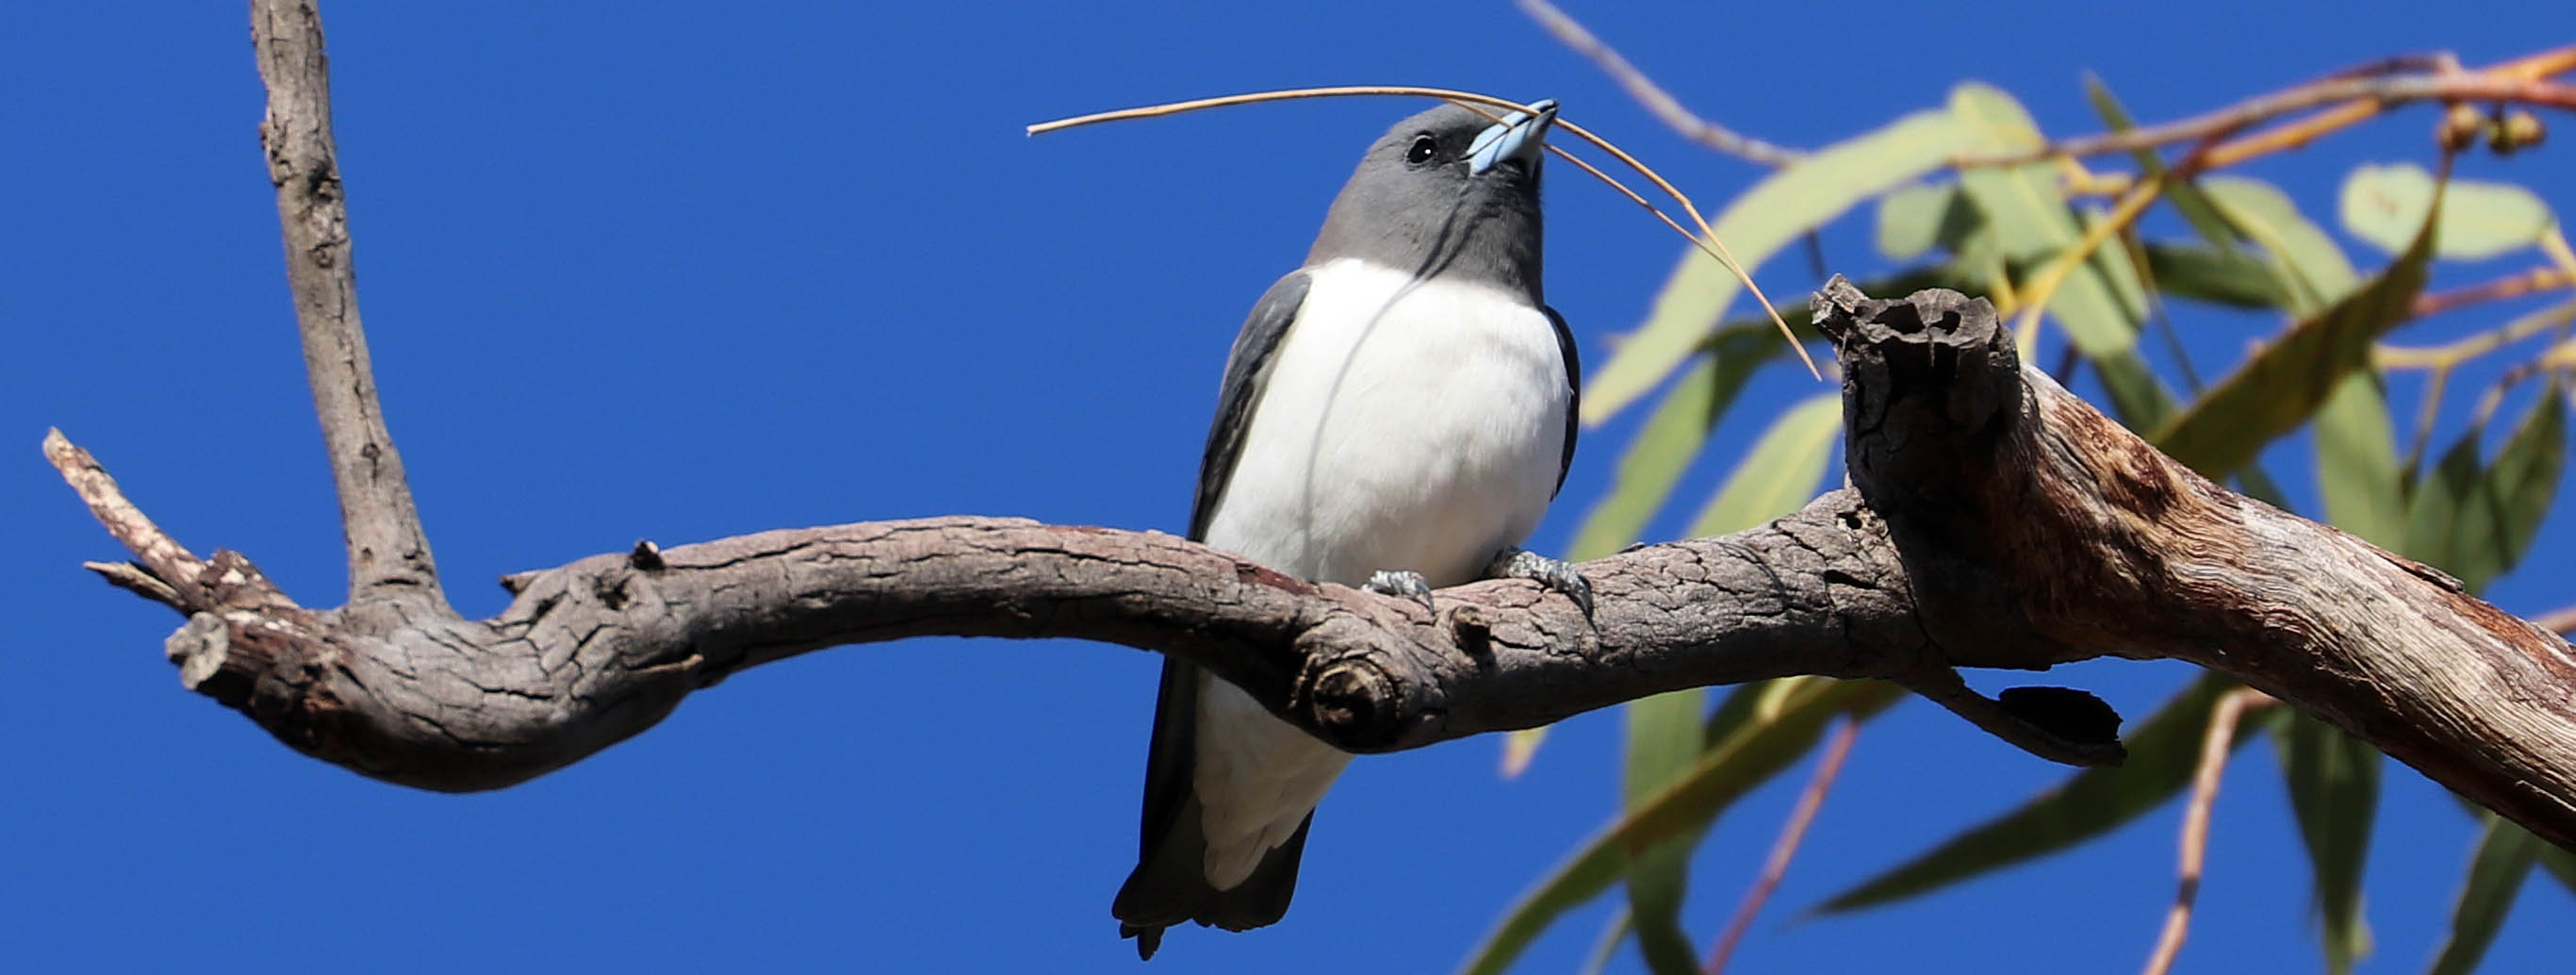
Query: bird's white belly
<point>1405,426</point>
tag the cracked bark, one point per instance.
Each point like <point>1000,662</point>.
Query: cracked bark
<point>1993,520</point>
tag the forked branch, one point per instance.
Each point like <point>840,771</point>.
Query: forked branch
<point>1994,520</point>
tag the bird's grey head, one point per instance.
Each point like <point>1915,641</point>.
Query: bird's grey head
<point>1447,193</point>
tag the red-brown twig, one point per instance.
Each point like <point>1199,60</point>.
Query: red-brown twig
<point>2517,82</point>
<point>2195,820</point>
<point>1791,834</point>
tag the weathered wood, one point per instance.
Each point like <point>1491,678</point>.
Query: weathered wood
<point>1994,520</point>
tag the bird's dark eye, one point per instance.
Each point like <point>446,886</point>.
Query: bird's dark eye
<point>1424,147</point>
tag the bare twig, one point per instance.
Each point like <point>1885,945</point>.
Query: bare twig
<point>2367,97</point>
<point>2195,820</point>
<point>2506,288</point>
<point>2561,621</point>
<point>1791,834</point>
<point>159,554</point>
<point>1706,238</point>
<point>1659,103</point>
<point>388,554</point>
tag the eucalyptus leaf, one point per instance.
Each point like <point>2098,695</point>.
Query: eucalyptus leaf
<point>2032,222</point>
<point>2384,204</point>
<point>1780,473</point>
<point>2163,751</point>
<point>2503,859</point>
<point>2314,271</point>
<point>2278,388</point>
<point>1752,753</point>
<point>2357,466</point>
<point>2334,791</point>
<point>1785,205</point>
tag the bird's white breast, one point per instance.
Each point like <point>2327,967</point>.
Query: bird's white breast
<point>1407,425</point>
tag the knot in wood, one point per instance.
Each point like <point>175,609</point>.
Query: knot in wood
<point>1356,705</point>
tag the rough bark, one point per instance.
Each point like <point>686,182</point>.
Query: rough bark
<point>1993,520</point>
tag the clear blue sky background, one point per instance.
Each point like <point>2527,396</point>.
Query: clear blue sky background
<point>678,271</point>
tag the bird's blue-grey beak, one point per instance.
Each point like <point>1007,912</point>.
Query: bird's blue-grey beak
<point>1520,135</point>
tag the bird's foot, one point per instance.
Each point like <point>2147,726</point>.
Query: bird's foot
<point>1401,582</point>
<point>1557,574</point>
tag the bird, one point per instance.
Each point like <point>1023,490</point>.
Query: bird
<point>1396,414</point>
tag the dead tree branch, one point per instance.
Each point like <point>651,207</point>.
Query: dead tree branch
<point>388,553</point>
<point>1994,520</point>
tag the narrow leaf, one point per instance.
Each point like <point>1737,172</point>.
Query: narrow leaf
<point>2334,790</point>
<point>2384,204</point>
<point>2314,271</point>
<point>1672,438</point>
<point>2033,222</point>
<point>2493,512</point>
<point>2496,871</point>
<point>2228,278</point>
<point>2433,532</point>
<point>2140,400</point>
<point>1746,757</point>
<point>1779,474</point>
<point>1914,219</point>
<point>1775,212</point>
<point>2276,389</point>
<point>2185,195</point>
<point>2357,466</point>
<point>2162,753</point>
<point>1663,740</point>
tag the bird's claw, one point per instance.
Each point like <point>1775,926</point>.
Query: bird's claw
<point>1401,582</point>
<point>1557,574</point>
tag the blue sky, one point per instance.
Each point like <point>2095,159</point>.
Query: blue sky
<point>641,270</point>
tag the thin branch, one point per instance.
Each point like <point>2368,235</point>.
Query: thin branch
<point>1659,103</point>
<point>2561,620</point>
<point>388,553</point>
<point>2214,747</point>
<point>2367,96</point>
<point>1792,833</point>
<point>159,554</point>
<point>2506,288</point>
<point>1706,239</point>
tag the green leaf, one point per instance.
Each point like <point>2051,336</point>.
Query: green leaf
<point>2477,523</point>
<point>2357,467</point>
<point>1663,740</point>
<point>2185,195</point>
<point>2384,204</point>
<point>2334,789</point>
<point>2314,271</point>
<point>1613,935</point>
<point>2496,871</point>
<point>2139,398</point>
<point>1914,219</point>
<point>2228,278</point>
<point>1775,212</point>
<point>2033,222</point>
<point>1779,474</point>
<point>1769,741</point>
<point>2162,754</point>
<point>2433,509</point>
<point>1672,438</point>
<point>2276,389</point>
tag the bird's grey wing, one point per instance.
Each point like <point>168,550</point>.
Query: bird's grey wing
<point>1247,372</point>
<point>1573,393</point>
<point>1170,885</point>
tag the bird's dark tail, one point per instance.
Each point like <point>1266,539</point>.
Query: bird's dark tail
<point>1169,885</point>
